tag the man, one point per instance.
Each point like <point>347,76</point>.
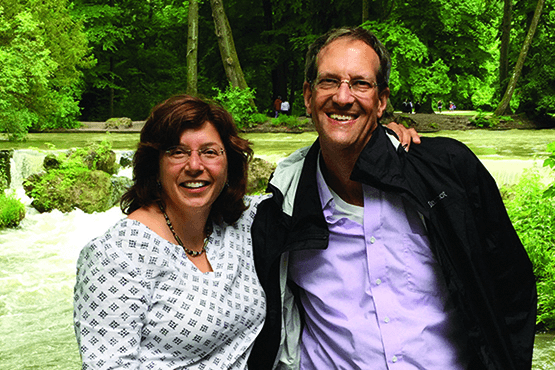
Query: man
<point>372,257</point>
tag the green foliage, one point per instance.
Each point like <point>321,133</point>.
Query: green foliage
<point>41,53</point>
<point>258,118</point>
<point>533,217</point>
<point>236,101</point>
<point>95,156</point>
<point>550,162</point>
<point>12,211</point>
<point>483,121</point>
<point>288,121</point>
<point>140,53</point>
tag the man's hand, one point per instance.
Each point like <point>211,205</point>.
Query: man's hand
<point>406,135</point>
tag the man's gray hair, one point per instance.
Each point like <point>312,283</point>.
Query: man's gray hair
<point>358,33</point>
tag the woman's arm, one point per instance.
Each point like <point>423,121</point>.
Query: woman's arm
<point>110,307</point>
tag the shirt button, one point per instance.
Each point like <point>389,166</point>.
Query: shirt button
<point>372,240</point>
<point>378,281</point>
<point>394,359</point>
<point>386,320</point>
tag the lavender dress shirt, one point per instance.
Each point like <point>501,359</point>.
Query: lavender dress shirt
<point>375,298</point>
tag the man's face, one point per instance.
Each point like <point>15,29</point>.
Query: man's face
<point>345,120</point>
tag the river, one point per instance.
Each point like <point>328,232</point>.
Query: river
<point>37,271</point>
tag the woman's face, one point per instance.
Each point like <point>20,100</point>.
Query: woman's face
<point>194,174</point>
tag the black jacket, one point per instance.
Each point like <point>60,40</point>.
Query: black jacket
<point>487,270</point>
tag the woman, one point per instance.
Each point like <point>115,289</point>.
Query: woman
<point>173,285</point>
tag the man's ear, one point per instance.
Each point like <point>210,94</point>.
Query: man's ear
<point>307,93</point>
<point>384,95</point>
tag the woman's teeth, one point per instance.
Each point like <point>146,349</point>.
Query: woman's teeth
<point>193,185</point>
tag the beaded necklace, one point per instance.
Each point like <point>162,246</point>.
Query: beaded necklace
<point>192,253</point>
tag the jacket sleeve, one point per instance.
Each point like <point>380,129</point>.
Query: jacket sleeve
<point>510,280</point>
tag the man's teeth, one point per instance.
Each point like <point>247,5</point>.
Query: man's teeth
<point>340,117</point>
<point>193,185</point>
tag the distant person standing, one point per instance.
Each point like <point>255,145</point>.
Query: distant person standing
<point>439,105</point>
<point>285,107</point>
<point>277,106</point>
<point>417,107</point>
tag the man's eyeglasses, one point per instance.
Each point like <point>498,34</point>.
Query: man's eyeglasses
<point>331,85</point>
<point>208,155</point>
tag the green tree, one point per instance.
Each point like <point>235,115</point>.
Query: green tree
<point>41,53</point>
<point>140,53</point>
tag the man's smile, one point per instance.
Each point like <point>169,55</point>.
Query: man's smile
<point>342,117</point>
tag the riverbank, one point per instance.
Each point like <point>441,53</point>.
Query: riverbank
<point>422,122</point>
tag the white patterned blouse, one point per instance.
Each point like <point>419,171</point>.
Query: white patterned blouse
<point>140,303</point>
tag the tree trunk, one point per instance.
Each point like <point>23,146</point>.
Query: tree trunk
<point>504,105</point>
<point>228,52</point>
<point>505,45</point>
<point>111,113</point>
<point>192,48</point>
<point>365,10</point>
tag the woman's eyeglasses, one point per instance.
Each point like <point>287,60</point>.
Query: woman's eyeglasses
<point>208,155</point>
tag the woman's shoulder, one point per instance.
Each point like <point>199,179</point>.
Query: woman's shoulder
<point>126,237</point>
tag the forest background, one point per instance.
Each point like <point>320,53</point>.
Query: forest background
<point>64,61</point>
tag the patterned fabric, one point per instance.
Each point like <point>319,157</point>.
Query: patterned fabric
<point>141,304</point>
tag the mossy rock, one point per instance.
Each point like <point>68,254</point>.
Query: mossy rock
<point>116,123</point>
<point>126,159</point>
<point>120,184</point>
<point>95,158</point>
<point>51,161</point>
<point>90,191</point>
<point>5,173</point>
<point>259,173</point>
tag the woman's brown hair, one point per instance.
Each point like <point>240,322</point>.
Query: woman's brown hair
<point>163,129</point>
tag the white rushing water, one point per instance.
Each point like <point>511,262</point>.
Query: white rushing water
<point>37,274</point>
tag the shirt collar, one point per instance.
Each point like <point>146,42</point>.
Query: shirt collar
<point>326,197</point>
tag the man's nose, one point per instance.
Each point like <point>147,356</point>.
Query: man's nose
<point>344,95</point>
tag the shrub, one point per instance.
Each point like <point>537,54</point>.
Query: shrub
<point>238,103</point>
<point>533,218</point>
<point>481,121</point>
<point>12,211</point>
<point>258,118</point>
<point>289,121</point>
<point>550,161</point>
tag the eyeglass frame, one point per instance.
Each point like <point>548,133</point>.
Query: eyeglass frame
<point>338,83</point>
<point>189,152</point>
